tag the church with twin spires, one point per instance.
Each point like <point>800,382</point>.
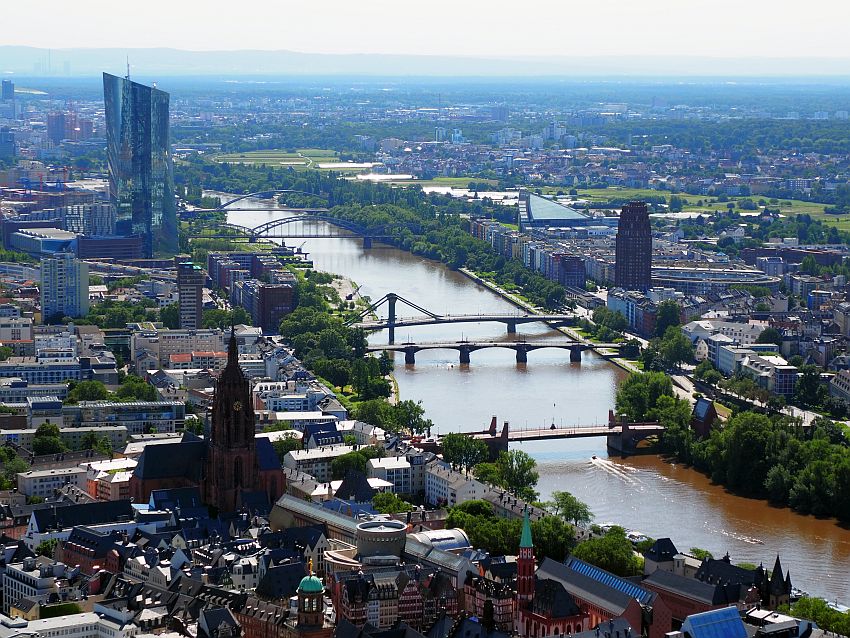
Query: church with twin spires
<point>232,467</point>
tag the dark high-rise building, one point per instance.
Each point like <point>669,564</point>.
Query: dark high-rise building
<point>633,265</point>
<point>190,290</point>
<point>56,127</point>
<point>8,148</point>
<point>8,90</point>
<point>141,179</point>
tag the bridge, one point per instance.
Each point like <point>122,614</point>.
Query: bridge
<point>430,318</point>
<point>275,229</point>
<point>621,436</point>
<point>258,195</point>
<point>465,348</point>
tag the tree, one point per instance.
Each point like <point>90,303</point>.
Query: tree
<point>463,451</point>
<point>639,393</point>
<point>667,315</point>
<point>410,417</point>
<point>612,552</point>
<point>809,391</point>
<point>675,347</point>
<point>47,548</point>
<point>553,537</point>
<point>389,503</point>
<point>770,335</point>
<point>170,316</point>
<point>87,391</point>
<point>701,554</point>
<point>517,474</point>
<point>571,508</point>
<point>47,440</point>
<point>284,445</point>
<point>134,388</point>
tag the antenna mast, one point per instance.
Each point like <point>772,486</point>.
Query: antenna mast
<point>128,67</point>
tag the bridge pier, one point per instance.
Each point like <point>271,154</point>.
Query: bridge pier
<point>511,327</point>
<point>367,243</point>
<point>391,299</point>
<point>252,239</point>
<point>575,354</point>
<point>521,355</point>
<point>409,356</point>
<point>464,355</point>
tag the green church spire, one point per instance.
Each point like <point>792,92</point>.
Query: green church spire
<point>525,539</point>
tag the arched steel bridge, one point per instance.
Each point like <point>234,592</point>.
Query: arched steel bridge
<point>262,195</point>
<point>273,230</point>
<point>429,318</point>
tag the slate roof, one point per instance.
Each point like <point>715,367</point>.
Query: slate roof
<point>552,600</point>
<point>663,550</point>
<point>610,629</point>
<point>717,570</point>
<point>182,497</point>
<point>281,581</point>
<point>694,589</point>
<point>355,487</point>
<point>595,585</point>
<point>83,514</point>
<point>158,461</point>
<point>266,456</point>
<point>345,629</point>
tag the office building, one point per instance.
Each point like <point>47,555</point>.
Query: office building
<point>633,256</point>
<point>7,92</point>
<point>95,219</point>
<point>190,289</point>
<point>267,304</point>
<point>8,148</point>
<point>64,287</point>
<point>141,180</point>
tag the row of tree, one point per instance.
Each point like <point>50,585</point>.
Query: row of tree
<point>806,468</point>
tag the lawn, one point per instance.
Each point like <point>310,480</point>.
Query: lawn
<point>300,158</point>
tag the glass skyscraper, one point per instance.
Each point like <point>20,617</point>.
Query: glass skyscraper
<point>141,179</point>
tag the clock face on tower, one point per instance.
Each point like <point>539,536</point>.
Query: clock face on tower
<point>237,406</point>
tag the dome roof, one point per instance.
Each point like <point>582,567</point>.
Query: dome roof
<point>311,585</point>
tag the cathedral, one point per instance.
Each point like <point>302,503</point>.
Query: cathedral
<point>231,468</point>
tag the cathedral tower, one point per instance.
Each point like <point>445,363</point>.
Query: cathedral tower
<point>231,466</point>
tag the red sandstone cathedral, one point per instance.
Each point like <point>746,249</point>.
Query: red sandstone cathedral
<point>227,468</point>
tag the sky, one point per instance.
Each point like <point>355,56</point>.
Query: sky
<point>713,28</point>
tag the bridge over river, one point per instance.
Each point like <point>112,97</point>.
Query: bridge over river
<point>621,437</point>
<point>522,348</point>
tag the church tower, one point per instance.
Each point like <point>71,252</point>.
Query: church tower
<point>525,564</point>
<point>231,466</point>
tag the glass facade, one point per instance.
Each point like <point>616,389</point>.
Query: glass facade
<point>141,179</point>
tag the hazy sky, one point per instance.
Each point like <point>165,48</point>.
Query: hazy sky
<point>724,28</point>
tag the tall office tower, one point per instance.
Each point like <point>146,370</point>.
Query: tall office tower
<point>64,287</point>
<point>141,180</point>
<point>8,148</point>
<point>56,127</point>
<point>190,288</point>
<point>633,257</point>
<point>8,90</point>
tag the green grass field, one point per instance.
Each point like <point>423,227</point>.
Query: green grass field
<point>302,158</point>
<point>710,204</point>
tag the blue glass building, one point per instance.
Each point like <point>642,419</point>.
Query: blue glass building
<point>141,178</point>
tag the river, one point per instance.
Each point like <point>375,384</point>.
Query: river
<point>644,493</point>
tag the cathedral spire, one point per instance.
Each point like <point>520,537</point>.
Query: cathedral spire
<point>232,350</point>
